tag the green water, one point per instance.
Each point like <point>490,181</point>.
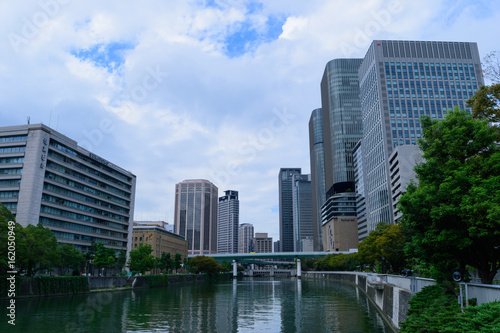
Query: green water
<point>248,305</point>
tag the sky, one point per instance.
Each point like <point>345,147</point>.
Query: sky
<point>219,90</point>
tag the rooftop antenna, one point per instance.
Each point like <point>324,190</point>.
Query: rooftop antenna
<point>29,118</point>
<point>57,125</point>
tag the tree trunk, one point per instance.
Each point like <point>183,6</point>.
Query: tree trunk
<point>487,275</point>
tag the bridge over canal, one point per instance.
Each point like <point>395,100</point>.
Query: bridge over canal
<point>253,258</point>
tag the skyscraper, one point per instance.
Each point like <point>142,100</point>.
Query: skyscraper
<point>228,222</point>
<point>342,129</point>
<point>317,160</point>
<point>245,235</point>
<point>196,215</point>
<point>302,213</point>
<point>45,177</point>
<point>400,81</point>
<point>359,179</point>
<point>286,208</point>
<point>342,124</point>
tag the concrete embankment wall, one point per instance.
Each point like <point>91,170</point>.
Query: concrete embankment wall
<point>390,300</point>
<point>60,285</point>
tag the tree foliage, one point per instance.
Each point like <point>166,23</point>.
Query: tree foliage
<point>491,66</point>
<point>177,261</point>
<point>104,257</point>
<point>203,264</point>
<point>430,311</point>
<point>5,217</point>
<point>337,262</point>
<point>452,217</point>
<point>141,259</point>
<point>69,258</point>
<point>36,249</point>
<point>165,262</point>
<point>384,246</point>
<point>485,103</point>
<point>435,309</point>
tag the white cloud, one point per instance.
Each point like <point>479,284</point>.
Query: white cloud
<point>203,115</point>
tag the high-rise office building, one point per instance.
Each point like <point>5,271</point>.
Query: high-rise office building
<point>400,81</point>
<point>276,246</point>
<point>342,125</point>
<point>286,208</point>
<point>402,163</point>
<point>342,129</point>
<point>196,215</point>
<point>228,222</point>
<point>317,160</point>
<point>359,179</point>
<point>302,213</point>
<point>45,177</point>
<point>245,235</point>
<point>262,243</point>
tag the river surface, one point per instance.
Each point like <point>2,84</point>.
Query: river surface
<point>248,305</point>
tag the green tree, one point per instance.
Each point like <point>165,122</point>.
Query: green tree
<point>177,261</point>
<point>36,249</point>
<point>485,103</point>
<point>337,262</point>
<point>69,258</point>
<point>5,217</point>
<point>104,257</point>
<point>141,259</point>
<point>384,246</point>
<point>121,259</point>
<point>452,217</point>
<point>165,262</point>
<point>203,264</point>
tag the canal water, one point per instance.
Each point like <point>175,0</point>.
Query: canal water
<point>248,305</point>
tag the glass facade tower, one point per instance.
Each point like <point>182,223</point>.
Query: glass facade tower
<point>400,81</point>
<point>302,213</point>
<point>286,207</point>
<point>196,215</point>
<point>317,159</point>
<point>342,124</point>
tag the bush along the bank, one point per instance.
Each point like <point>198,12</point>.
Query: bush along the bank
<point>48,285</point>
<point>436,309</point>
<point>156,280</point>
<point>5,285</point>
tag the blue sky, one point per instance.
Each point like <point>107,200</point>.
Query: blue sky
<point>192,89</point>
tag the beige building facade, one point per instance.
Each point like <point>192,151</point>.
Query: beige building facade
<point>262,243</point>
<point>161,241</point>
<point>340,234</point>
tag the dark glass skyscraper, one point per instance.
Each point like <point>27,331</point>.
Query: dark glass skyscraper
<point>342,129</point>
<point>302,213</point>
<point>286,207</point>
<point>196,215</point>
<point>400,81</point>
<point>317,159</point>
<point>342,124</point>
